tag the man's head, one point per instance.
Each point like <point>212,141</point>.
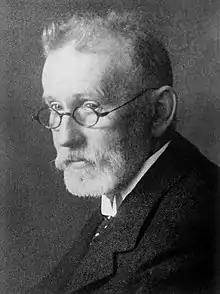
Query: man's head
<point>101,63</point>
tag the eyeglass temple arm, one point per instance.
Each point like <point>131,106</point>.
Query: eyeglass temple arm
<point>137,96</point>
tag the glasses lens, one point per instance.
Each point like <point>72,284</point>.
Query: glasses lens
<point>85,116</point>
<point>49,118</point>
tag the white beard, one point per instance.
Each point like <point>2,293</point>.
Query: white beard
<point>99,177</point>
<point>85,183</point>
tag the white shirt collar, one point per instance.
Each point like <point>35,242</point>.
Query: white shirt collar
<point>110,208</point>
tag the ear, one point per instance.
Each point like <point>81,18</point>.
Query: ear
<point>164,103</point>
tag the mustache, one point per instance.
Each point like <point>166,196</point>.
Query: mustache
<point>63,159</point>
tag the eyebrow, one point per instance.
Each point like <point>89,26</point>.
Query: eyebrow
<point>46,99</point>
<point>77,96</point>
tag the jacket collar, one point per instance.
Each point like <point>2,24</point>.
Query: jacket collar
<point>63,272</point>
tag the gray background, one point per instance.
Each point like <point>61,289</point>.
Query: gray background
<point>39,219</point>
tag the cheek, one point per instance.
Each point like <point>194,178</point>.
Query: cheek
<point>104,140</point>
<point>140,123</point>
<point>136,135</point>
<point>106,147</point>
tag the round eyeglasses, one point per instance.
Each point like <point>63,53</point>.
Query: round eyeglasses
<point>84,115</point>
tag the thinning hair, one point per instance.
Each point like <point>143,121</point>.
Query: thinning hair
<point>141,55</point>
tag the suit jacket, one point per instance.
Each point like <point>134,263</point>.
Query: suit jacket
<point>162,239</point>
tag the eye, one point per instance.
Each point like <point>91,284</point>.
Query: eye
<point>92,105</point>
<point>56,106</point>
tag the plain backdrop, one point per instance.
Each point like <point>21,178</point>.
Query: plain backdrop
<point>39,219</point>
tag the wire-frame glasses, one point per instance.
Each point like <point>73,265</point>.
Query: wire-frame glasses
<point>84,115</point>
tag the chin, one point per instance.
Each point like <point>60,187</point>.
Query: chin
<point>90,182</point>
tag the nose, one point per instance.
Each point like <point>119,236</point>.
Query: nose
<point>68,134</point>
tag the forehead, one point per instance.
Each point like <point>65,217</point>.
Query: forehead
<point>67,72</point>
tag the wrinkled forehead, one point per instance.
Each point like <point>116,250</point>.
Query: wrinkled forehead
<point>66,70</point>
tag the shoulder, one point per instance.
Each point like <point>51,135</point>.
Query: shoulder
<point>188,158</point>
<point>183,229</point>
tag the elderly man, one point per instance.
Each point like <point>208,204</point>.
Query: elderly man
<point>111,109</point>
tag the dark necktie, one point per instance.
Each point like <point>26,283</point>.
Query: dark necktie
<point>101,228</point>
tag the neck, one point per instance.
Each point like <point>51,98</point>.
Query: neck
<point>158,143</point>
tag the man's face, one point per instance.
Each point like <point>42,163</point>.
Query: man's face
<point>99,159</point>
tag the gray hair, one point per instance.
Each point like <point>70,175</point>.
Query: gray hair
<point>149,60</point>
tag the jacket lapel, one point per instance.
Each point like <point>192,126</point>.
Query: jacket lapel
<point>63,272</point>
<point>133,217</point>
